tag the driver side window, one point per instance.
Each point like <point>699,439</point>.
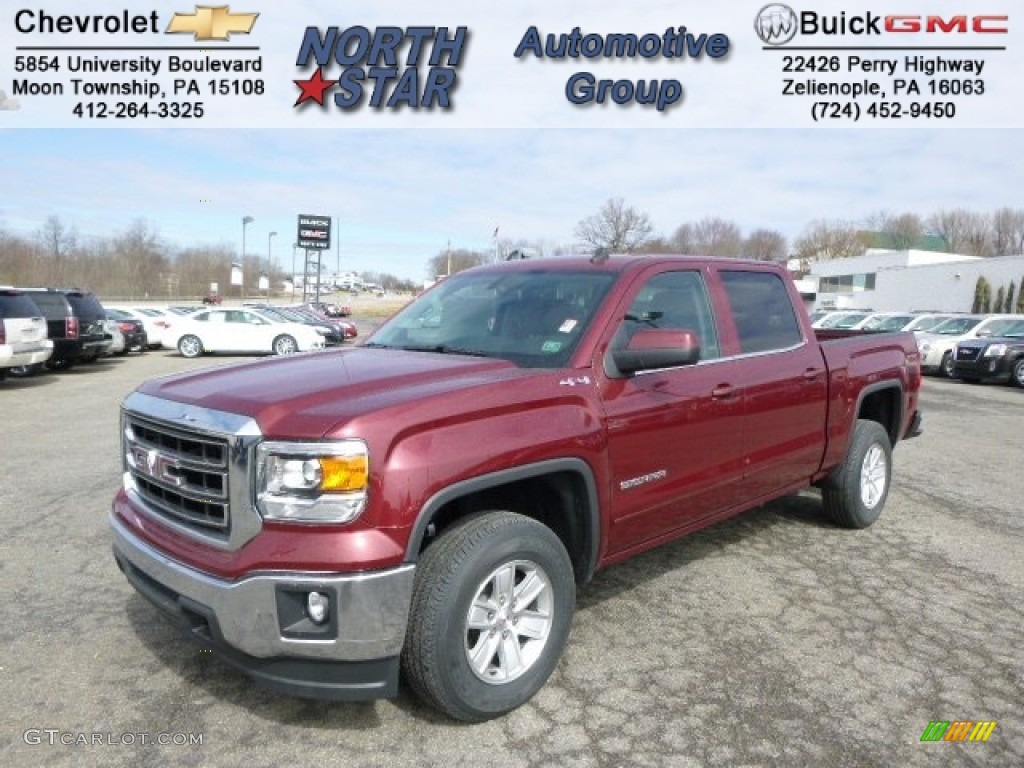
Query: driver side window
<point>678,301</point>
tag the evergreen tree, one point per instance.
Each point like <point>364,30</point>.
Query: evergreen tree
<point>978,287</point>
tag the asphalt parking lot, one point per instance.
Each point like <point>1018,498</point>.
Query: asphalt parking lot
<point>771,639</point>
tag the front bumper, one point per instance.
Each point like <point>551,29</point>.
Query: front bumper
<point>256,623</point>
<point>983,369</point>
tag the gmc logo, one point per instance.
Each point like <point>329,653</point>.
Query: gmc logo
<point>959,24</point>
<point>158,466</point>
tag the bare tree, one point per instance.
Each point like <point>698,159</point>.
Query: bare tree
<point>21,262</point>
<point>1007,231</point>
<point>964,231</point>
<point>617,228</point>
<point>139,261</point>
<point>903,230</point>
<point>684,240</point>
<point>58,243</point>
<point>824,240</point>
<point>718,237</point>
<point>449,261</point>
<point>765,245</point>
<point>657,245</point>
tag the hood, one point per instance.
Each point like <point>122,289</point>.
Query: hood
<point>306,395</point>
<point>984,341</point>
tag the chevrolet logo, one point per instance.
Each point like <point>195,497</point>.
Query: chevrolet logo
<point>212,23</point>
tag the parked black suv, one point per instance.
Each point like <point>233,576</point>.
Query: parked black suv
<point>992,358</point>
<point>74,321</point>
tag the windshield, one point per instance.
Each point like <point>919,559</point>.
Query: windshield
<point>927,323</point>
<point>1015,331</point>
<point>534,319</point>
<point>848,321</point>
<point>887,322</point>
<point>956,326</point>
<point>999,327</point>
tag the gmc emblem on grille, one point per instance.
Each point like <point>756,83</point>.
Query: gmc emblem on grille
<point>155,464</point>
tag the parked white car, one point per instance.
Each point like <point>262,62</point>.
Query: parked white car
<point>936,346</point>
<point>843,320</point>
<point>155,321</point>
<point>239,330</point>
<point>925,321</point>
<point>23,342</point>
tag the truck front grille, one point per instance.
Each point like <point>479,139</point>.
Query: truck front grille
<point>967,353</point>
<point>180,474</point>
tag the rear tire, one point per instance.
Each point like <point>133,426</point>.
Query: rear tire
<point>190,346</point>
<point>285,345</point>
<point>855,493</point>
<point>491,611</point>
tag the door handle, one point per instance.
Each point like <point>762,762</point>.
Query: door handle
<point>812,373</point>
<point>723,392</point>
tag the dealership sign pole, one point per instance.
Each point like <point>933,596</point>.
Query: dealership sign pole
<point>314,235</point>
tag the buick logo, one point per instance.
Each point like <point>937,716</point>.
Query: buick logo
<point>776,24</point>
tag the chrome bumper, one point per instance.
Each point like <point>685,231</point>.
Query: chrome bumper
<point>369,620</point>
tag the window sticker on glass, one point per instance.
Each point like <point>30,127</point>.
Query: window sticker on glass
<point>568,326</point>
<point>551,346</point>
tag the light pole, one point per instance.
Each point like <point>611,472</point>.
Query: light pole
<point>270,239</point>
<point>246,221</point>
<point>294,247</point>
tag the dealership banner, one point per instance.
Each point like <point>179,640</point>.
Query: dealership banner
<point>526,64</point>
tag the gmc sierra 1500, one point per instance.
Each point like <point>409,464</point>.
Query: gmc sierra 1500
<point>430,501</point>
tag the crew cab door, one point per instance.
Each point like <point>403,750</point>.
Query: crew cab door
<point>675,440</point>
<point>784,382</point>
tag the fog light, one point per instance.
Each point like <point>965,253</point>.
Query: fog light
<point>317,606</point>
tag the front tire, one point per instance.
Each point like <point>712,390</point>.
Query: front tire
<point>855,493</point>
<point>285,345</point>
<point>946,366</point>
<point>190,346</point>
<point>491,611</point>
<point>1017,374</point>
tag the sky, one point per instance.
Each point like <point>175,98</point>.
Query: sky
<point>513,153</point>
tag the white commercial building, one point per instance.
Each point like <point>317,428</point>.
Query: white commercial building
<point>885,280</point>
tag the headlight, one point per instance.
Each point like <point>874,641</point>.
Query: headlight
<point>995,350</point>
<point>312,482</point>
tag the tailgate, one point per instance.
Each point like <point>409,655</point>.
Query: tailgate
<point>25,330</point>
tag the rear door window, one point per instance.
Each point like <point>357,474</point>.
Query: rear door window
<point>763,311</point>
<point>86,305</point>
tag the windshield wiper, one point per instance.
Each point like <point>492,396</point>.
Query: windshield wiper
<point>441,349</point>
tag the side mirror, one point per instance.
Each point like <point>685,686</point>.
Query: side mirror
<point>983,333</point>
<point>653,348</point>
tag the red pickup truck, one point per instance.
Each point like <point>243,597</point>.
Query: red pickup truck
<point>430,501</point>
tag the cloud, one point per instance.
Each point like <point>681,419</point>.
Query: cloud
<point>8,105</point>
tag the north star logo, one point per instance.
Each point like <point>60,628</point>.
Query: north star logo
<point>212,22</point>
<point>382,68</point>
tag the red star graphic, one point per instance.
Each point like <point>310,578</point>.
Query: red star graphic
<point>313,88</point>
